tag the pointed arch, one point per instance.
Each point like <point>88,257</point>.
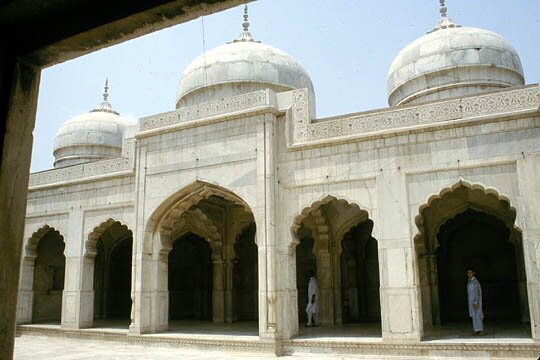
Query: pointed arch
<point>492,199</point>
<point>93,237</point>
<point>177,224</point>
<point>190,195</point>
<point>33,241</point>
<point>449,210</point>
<point>314,210</point>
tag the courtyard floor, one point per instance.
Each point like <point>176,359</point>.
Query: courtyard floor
<point>35,345</point>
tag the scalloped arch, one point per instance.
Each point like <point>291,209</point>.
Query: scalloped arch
<point>315,210</point>
<point>435,199</point>
<point>182,200</point>
<point>33,241</point>
<point>178,224</point>
<point>90,243</point>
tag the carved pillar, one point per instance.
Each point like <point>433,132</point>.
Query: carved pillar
<point>326,293</point>
<point>230,312</point>
<point>218,303</point>
<point>432,270</point>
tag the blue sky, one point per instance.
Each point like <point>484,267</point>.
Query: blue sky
<point>346,46</point>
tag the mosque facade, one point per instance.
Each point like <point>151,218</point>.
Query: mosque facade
<point>216,211</point>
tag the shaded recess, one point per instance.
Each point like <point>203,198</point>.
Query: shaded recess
<point>468,225</point>
<point>112,273</point>
<point>360,275</point>
<point>49,272</point>
<point>190,279</point>
<point>246,279</point>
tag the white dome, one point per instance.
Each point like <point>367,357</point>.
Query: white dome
<point>238,67</point>
<point>96,135</point>
<point>452,61</point>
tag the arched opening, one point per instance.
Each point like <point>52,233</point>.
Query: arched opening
<point>334,239</point>
<point>190,279</point>
<point>209,251</point>
<point>48,279</point>
<point>246,279</point>
<point>305,261</point>
<point>112,275</point>
<point>481,241</point>
<point>360,275</point>
<point>465,227</point>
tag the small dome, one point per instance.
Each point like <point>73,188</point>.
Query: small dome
<point>96,135</point>
<point>452,61</point>
<point>241,66</point>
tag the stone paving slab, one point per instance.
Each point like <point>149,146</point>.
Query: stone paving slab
<point>31,347</point>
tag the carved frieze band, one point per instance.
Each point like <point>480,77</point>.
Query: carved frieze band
<point>100,168</point>
<point>303,131</point>
<point>200,111</point>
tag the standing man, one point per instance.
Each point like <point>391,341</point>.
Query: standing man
<point>312,308</point>
<point>474,297</point>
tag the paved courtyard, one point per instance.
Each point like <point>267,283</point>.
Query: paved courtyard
<point>31,347</point>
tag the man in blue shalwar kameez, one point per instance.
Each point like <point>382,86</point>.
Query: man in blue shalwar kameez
<point>474,297</point>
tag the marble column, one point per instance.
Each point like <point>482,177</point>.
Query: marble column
<point>78,295</point>
<point>528,218</point>
<point>400,293</point>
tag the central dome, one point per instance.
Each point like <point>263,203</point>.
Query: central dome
<point>241,66</point>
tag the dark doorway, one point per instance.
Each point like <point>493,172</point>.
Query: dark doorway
<point>246,276</point>
<point>305,261</point>
<point>482,241</point>
<point>49,271</point>
<point>190,279</point>
<point>119,298</point>
<point>360,275</point>
<point>112,274</point>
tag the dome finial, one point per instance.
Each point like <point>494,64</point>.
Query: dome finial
<point>245,35</point>
<point>106,90</point>
<point>444,22</point>
<point>443,9</point>
<point>245,24</point>
<point>105,106</point>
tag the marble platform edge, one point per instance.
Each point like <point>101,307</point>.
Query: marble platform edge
<point>493,347</point>
<point>166,339</point>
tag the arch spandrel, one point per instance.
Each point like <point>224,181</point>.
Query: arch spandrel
<point>90,249</point>
<point>477,197</point>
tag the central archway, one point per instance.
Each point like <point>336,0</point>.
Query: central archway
<point>216,227</point>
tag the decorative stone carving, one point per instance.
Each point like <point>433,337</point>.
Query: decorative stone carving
<point>218,107</point>
<point>90,244</point>
<point>306,133</point>
<point>98,168</point>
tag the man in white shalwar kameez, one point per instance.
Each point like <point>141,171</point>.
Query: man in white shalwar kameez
<point>312,308</point>
<point>474,297</point>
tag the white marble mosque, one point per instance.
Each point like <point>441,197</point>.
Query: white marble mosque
<point>215,211</point>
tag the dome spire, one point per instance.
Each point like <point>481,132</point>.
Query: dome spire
<point>443,8</point>
<point>106,90</point>
<point>245,35</point>
<point>105,106</point>
<point>444,22</point>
